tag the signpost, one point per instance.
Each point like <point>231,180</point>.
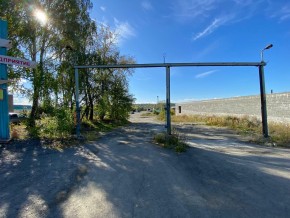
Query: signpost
<point>4,81</point>
<point>17,61</point>
<point>5,43</point>
<point>4,60</point>
<point>4,119</point>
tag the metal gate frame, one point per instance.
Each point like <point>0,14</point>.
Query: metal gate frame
<point>167,66</point>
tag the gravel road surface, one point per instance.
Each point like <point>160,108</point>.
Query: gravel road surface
<point>124,174</point>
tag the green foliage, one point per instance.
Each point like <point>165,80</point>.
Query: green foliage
<point>162,114</point>
<point>103,106</point>
<point>160,138</point>
<point>59,126</point>
<point>174,141</point>
<point>69,36</point>
<point>156,112</point>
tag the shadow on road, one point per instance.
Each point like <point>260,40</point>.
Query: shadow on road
<point>124,175</point>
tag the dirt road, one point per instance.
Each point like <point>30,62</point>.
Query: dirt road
<point>124,175</point>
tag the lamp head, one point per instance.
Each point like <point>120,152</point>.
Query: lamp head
<point>268,46</point>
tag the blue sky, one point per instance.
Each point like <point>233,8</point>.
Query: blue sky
<point>201,31</point>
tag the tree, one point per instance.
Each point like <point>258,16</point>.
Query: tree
<point>54,47</point>
<point>41,42</point>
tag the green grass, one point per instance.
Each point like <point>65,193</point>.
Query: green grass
<point>248,126</point>
<point>45,130</point>
<point>148,114</point>
<point>174,141</point>
<point>91,129</point>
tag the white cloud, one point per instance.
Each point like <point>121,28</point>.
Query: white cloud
<point>21,100</point>
<point>146,5</point>
<point>215,13</point>
<point>188,9</point>
<point>124,30</point>
<point>205,74</point>
<point>103,8</point>
<point>200,10</point>
<point>283,13</point>
<point>212,27</point>
<point>245,2</point>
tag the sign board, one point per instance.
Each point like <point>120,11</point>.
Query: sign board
<point>1,94</point>
<point>5,43</point>
<point>17,61</point>
<point>4,81</point>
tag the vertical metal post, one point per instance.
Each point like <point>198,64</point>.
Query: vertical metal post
<point>168,115</point>
<point>263,101</point>
<point>78,127</point>
<point>4,118</point>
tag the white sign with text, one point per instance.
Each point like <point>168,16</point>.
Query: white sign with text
<point>17,61</point>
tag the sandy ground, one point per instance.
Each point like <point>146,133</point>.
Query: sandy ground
<point>124,174</point>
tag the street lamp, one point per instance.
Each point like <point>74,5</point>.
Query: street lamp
<point>262,52</point>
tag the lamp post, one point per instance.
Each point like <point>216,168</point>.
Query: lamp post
<point>263,93</point>
<point>262,52</point>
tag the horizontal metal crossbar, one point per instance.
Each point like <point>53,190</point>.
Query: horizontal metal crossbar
<point>206,64</point>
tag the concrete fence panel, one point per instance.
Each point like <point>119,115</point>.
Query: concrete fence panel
<point>278,107</point>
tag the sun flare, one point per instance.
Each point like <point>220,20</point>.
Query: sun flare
<point>40,16</point>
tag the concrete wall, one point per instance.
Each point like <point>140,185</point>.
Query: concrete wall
<point>278,107</point>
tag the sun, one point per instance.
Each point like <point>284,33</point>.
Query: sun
<point>41,16</point>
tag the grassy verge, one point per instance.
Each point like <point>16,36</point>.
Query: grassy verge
<point>248,126</point>
<point>91,129</point>
<point>174,141</point>
<point>148,114</point>
<point>50,137</point>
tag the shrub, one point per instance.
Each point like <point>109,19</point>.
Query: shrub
<point>60,125</point>
<point>174,141</point>
<point>160,138</point>
<point>162,114</point>
<point>280,134</point>
<point>19,131</point>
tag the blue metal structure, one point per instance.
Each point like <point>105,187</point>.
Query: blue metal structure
<point>4,118</point>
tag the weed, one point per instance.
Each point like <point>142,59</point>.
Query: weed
<point>174,141</point>
<point>18,132</point>
<point>248,126</point>
<point>148,114</point>
<point>160,138</point>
